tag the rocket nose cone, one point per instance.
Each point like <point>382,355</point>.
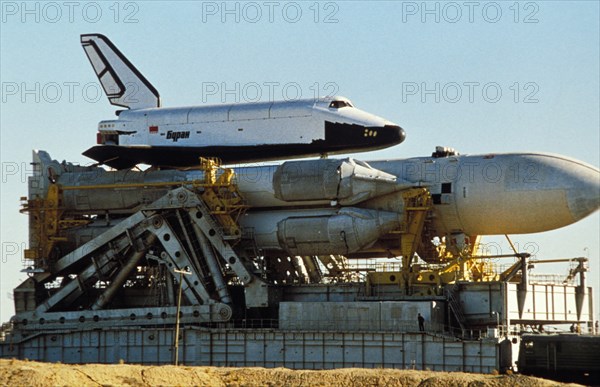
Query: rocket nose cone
<point>584,196</point>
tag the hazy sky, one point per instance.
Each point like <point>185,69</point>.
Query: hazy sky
<point>478,76</point>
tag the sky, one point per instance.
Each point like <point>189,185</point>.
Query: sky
<point>482,77</point>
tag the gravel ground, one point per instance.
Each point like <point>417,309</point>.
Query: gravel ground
<point>17,373</point>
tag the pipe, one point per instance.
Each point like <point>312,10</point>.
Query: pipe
<point>213,266</point>
<point>111,290</point>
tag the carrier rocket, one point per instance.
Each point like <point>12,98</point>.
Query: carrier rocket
<point>346,206</point>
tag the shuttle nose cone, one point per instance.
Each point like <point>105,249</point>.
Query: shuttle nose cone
<point>396,132</point>
<point>583,197</point>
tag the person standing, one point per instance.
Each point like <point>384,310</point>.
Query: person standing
<point>421,322</point>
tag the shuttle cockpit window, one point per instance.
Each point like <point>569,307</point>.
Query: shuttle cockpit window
<point>340,104</point>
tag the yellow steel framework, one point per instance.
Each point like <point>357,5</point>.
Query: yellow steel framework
<point>48,218</point>
<point>222,196</point>
<point>47,222</point>
<point>448,262</point>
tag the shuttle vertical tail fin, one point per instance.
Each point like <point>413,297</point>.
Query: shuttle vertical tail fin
<point>123,84</point>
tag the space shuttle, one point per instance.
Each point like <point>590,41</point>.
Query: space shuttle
<point>147,133</point>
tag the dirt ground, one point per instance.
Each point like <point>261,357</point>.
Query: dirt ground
<point>15,373</point>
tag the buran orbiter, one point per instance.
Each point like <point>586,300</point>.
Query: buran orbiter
<point>234,133</point>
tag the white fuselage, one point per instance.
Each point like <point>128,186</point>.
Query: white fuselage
<point>282,122</point>
<point>240,133</point>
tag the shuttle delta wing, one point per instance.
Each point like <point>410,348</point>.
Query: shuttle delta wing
<point>123,84</point>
